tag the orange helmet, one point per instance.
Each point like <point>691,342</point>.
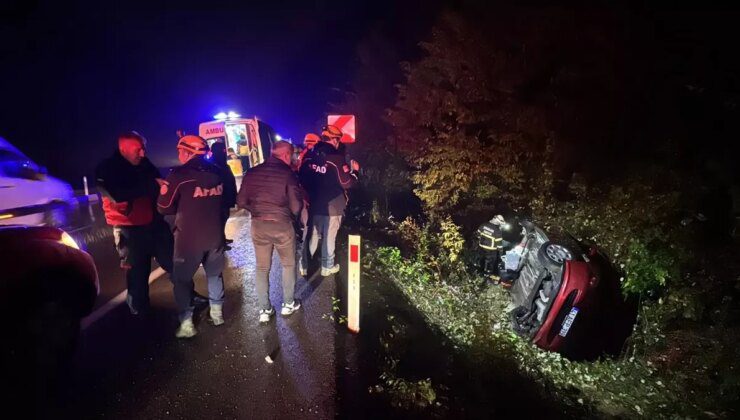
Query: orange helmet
<point>311,139</point>
<point>193,144</point>
<point>332,132</point>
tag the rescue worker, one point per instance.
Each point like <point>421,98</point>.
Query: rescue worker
<point>218,157</point>
<point>326,177</point>
<point>309,141</point>
<point>193,192</point>
<point>128,183</point>
<point>271,193</point>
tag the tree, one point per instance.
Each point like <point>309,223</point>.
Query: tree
<point>503,97</point>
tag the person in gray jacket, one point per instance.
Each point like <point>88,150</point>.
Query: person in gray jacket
<point>271,193</point>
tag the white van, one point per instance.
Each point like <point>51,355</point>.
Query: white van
<point>28,196</point>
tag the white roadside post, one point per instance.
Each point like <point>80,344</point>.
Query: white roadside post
<point>353,284</point>
<point>84,183</point>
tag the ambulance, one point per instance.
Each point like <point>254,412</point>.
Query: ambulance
<point>248,140</point>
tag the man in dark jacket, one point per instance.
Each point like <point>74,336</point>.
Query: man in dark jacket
<point>129,184</point>
<point>194,193</point>
<point>326,177</point>
<point>271,193</point>
<point>218,156</point>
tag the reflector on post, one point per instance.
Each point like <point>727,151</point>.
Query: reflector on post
<point>353,284</point>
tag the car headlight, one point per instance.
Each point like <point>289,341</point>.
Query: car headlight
<point>66,239</point>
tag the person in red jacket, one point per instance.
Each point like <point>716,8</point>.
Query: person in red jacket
<point>129,185</point>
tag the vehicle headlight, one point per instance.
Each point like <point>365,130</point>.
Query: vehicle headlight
<point>66,239</point>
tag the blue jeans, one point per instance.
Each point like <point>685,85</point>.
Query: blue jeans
<point>324,227</point>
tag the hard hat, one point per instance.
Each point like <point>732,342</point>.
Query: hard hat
<point>311,139</point>
<point>193,144</point>
<point>498,220</point>
<point>331,131</point>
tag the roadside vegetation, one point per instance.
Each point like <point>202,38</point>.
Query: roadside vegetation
<point>522,116</point>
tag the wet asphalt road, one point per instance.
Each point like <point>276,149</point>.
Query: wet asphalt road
<point>132,367</point>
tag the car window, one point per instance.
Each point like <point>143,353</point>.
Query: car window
<point>14,165</point>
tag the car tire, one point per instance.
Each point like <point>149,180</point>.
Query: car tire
<point>553,255</point>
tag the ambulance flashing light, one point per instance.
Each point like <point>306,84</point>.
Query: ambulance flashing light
<point>231,115</point>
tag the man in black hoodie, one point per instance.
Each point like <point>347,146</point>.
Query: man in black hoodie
<point>326,177</point>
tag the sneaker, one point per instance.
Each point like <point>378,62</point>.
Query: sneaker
<point>186,329</point>
<point>289,308</point>
<point>217,314</point>
<point>329,271</point>
<point>265,315</point>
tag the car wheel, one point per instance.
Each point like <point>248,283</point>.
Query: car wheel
<point>553,255</point>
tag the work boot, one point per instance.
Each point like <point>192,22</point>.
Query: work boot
<point>289,308</point>
<point>217,314</point>
<point>329,271</point>
<point>186,329</point>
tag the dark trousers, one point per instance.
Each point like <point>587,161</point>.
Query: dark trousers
<point>266,236</point>
<point>224,218</point>
<point>185,266</point>
<point>301,246</point>
<point>136,246</point>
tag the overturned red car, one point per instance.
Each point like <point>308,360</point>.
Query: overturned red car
<point>565,293</point>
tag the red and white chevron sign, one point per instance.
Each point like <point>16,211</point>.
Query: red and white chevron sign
<point>346,123</point>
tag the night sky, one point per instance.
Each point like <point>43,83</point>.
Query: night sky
<point>75,75</point>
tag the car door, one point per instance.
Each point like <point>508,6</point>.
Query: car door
<point>18,188</point>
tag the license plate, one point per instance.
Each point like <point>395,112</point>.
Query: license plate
<point>568,322</point>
